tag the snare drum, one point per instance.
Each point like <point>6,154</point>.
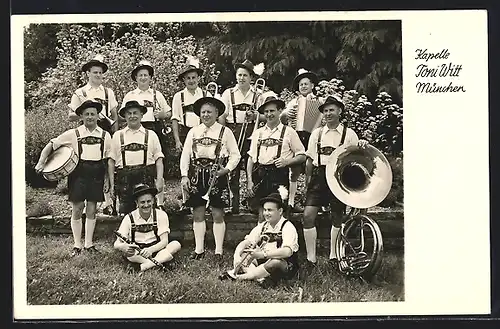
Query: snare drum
<point>60,164</point>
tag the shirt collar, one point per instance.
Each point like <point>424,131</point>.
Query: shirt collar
<point>212,127</point>
<point>138,91</point>
<point>339,128</point>
<point>97,129</point>
<point>235,88</point>
<point>278,127</point>
<point>88,87</point>
<point>278,224</point>
<point>195,91</point>
<point>141,129</point>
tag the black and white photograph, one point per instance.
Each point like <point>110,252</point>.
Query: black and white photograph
<point>211,161</point>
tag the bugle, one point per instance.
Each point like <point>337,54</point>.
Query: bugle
<point>213,179</point>
<point>259,86</point>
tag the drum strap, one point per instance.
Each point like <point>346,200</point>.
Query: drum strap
<point>79,140</point>
<point>280,145</point>
<point>145,147</point>
<point>133,226</point>
<point>318,145</point>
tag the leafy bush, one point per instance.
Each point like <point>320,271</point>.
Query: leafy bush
<point>39,208</point>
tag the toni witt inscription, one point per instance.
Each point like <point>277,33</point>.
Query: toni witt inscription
<point>433,67</point>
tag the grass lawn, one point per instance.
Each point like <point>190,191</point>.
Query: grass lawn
<point>54,278</point>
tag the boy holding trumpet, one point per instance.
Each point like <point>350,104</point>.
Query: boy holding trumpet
<point>276,257</point>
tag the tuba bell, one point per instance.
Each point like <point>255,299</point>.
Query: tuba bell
<point>359,177</point>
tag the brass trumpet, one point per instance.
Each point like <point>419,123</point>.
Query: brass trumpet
<point>213,178</point>
<point>259,86</point>
<point>246,260</point>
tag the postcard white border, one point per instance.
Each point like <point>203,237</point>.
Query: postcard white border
<point>447,251</point>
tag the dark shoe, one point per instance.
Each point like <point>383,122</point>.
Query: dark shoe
<point>92,250</point>
<point>134,267</point>
<point>226,276</point>
<point>84,216</point>
<point>109,210</point>
<point>267,283</point>
<point>195,255</point>
<point>75,251</point>
<point>184,211</point>
<point>219,259</point>
<point>334,263</point>
<point>310,266</point>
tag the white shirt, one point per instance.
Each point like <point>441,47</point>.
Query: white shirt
<point>329,137</point>
<point>239,98</point>
<point>147,95</point>
<point>291,145</point>
<point>289,235</point>
<point>87,91</point>
<point>300,103</point>
<point>91,152</point>
<point>147,237</point>
<point>192,120</point>
<point>135,157</point>
<point>210,135</point>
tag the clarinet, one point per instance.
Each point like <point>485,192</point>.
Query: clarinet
<point>127,240</point>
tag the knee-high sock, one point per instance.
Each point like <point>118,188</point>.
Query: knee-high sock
<point>76,228</point>
<point>162,256</point>
<point>219,232</point>
<point>291,193</point>
<point>89,231</point>
<point>253,273</point>
<point>334,232</point>
<point>310,236</point>
<point>199,229</point>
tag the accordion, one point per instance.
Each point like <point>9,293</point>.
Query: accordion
<point>312,115</point>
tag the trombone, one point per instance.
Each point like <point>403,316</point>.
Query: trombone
<point>259,86</point>
<point>213,88</point>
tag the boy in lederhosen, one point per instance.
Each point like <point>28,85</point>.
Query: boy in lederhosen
<point>303,115</point>
<point>323,141</point>
<point>147,228</point>
<point>137,157</point>
<point>94,89</point>
<point>274,148</point>
<point>89,179</point>
<point>207,144</point>
<point>157,107</point>
<point>240,102</point>
<point>183,116</point>
<point>275,260</point>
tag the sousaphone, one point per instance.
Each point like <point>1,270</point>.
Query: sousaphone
<point>360,178</point>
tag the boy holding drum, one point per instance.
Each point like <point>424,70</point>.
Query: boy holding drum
<point>89,179</point>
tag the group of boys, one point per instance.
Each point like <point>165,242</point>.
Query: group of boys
<point>128,163</point>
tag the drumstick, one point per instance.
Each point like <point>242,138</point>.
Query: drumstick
<point>126,240</point>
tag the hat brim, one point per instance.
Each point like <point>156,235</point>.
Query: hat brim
<point>278,102</point>
<point>312,76</point>
<point>150,190</point>
<point>92,63</point>
<point>85,105</point>
<point>186,71</point>
<point>336,102</point>
<point>204,100</point>
<point>242,66</point>
<point>140,67</point>
<point>280,202</point>
<point>122,111</point>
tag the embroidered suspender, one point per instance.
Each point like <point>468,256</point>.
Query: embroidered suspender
<point>280,145</point>
<point>84,93</point>
<point>133,226</point>
<point>219,142</point>
<point>182,107</point>
<point>318,144</point>
<point>232,103</point>
<point>277,236</point>
<point>145,147</point>
<point>79,140</point>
